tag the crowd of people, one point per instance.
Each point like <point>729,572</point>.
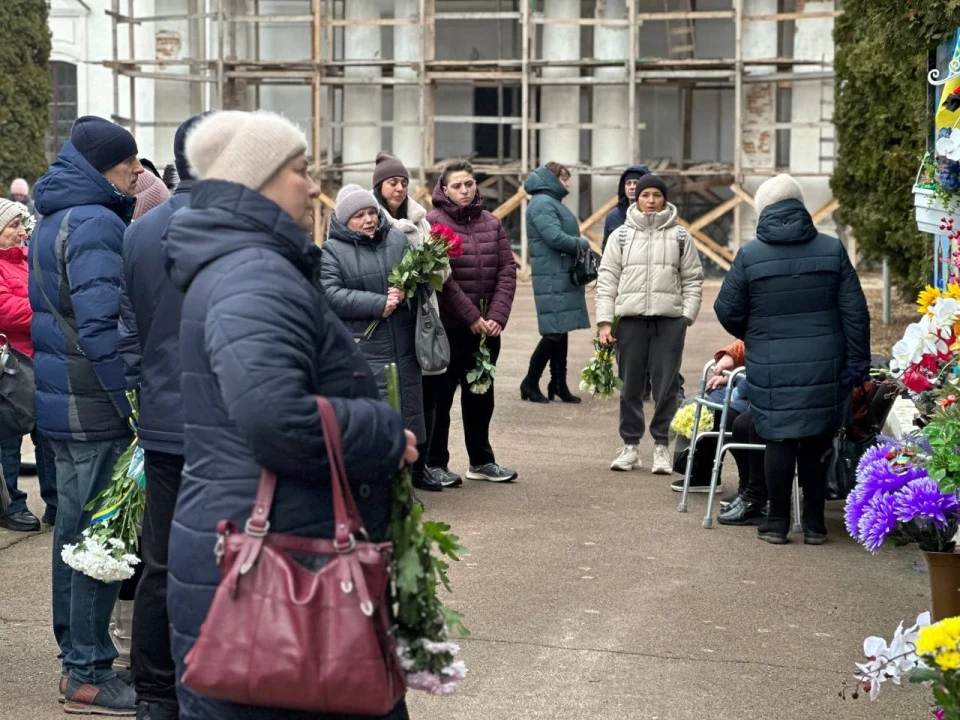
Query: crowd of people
<point>216,304</point>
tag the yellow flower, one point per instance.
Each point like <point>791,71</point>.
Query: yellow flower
<point>682,422</point>
<point>941,639</point>
<point>928,296</point>
<point>948,660</point>
<point>953,291</point>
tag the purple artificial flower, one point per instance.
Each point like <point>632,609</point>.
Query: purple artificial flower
<point>877,473</point>
<point>853,511</point>
<point>878,520</point>
<point>922,500</point>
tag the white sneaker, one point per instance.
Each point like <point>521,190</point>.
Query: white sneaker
<point>628,459</point>
<point>661,461</point>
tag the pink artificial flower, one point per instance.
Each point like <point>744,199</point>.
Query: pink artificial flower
<point>431,683</point>
<point>938,713</point>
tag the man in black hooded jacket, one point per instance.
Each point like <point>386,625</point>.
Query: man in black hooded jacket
<point>150,307</point>
<point>626,194</point>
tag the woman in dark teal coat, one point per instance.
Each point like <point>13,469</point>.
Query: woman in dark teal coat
<point>555,243</point>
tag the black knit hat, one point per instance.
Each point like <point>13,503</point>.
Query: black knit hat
<point>388,166</point>
<point>651,181</point>
<point>184,171</point>
<point>102,143</point>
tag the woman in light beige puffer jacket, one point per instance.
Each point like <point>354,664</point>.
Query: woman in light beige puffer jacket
<point>650,278</point>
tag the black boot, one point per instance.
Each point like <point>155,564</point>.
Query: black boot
<point>558,373</point>
<point>530,387</point>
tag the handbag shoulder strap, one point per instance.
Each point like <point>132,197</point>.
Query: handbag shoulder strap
<point>68,330</point>
<point>345,513</point>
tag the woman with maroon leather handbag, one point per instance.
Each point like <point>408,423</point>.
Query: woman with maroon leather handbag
<point>260,347</point>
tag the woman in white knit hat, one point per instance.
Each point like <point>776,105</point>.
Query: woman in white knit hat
<point>259,344</point>
<point>15,319</point>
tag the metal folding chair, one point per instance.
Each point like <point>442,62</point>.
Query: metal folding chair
<point>723,446</point>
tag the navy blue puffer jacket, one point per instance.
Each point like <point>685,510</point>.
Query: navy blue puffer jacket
<point>353,272</point>
<point>795,300</point>
<point>80,390</point>
<point>258,343</point>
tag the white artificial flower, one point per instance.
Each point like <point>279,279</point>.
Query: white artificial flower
<point>890,662</point>
<point>909,350</point>
<point>949,147</point>
<point>438,648</point>
<point>944,314</point>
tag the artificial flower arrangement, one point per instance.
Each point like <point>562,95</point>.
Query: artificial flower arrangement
<point>423,266</point>
<point>940,173</point>
<point>424,624</point>
<point>598,378</point>
<point>484,371</point>
<point>682,423</point>
<point>898,497</point>
<point>923,653</point>
<point>108,549</point>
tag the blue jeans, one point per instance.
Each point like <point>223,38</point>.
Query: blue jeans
<point>46,473</point>
<point>82,605</point>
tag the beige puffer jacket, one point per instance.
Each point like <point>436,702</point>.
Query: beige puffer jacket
<point>417,230</point>
<point>642,273</point>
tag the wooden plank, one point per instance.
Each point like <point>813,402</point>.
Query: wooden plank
<point>709,247</point>
<point>510,204</point>
<point>718,212</point>
<point>828,209</point>
<point>820,14</point>
<point>327,201</point>
<point>743,195</point>
<point>599,214</point>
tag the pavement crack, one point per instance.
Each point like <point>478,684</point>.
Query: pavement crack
<point>656,656</point>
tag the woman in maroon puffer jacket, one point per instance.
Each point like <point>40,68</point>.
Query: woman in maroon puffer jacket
<point>475,301</point>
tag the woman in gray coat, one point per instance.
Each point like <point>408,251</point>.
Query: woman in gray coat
<point>357,257</point>
<point>555,244</point>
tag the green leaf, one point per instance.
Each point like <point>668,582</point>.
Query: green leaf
<point>922,675</point>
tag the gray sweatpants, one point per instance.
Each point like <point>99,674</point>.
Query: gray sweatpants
<point>654,345</point>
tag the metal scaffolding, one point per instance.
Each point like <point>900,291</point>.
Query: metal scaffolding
<point>236,74</point>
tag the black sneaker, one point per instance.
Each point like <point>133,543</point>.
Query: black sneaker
<point>728,500</point>
<point>113,697</point>
<point>427,481</point>
<point>446,477</point>
<point>157,711</point>
<point>491,472</point>
<point>23,521</point>
<point>773,533</point>
<point>816,535</point>
<point>695,486</point>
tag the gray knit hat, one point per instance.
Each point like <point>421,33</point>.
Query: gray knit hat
<point>388,166</point>
<point>781,187</point>
<point>352,199</point>
<point>10,210</point>
<point>247,148</point>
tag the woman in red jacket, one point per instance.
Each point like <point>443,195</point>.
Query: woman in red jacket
<point>15,316</point>
<point>475,301</point>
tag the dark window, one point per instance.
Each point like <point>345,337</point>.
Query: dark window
<point>63,105</point>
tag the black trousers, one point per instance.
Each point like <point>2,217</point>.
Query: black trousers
<point>477,409</point>
<point>430,384</point>
<point>154,674</point>
<point>753,483</point>
<point>808,457</point>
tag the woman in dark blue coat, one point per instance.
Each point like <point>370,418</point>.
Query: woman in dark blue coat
<point>795,300</point>
<point>259,342</point>
<point>360,251</point>
<point>555,243</point>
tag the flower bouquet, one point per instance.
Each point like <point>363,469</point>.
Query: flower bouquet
<point>896,497</point>
<point>108,549</point>
<point>424,623</point>
<point>927,353</point>
<point>682,423</point>
<point>923,653</point>
<point>484,371</point>
<point>423,265</point>
<point>598,378</point>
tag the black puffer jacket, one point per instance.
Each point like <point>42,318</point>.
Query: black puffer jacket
<point>795,300</point>
<point>258,343</point>
<point>353,271</point>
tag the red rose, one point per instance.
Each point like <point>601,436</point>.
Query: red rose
<point>916,381</point>
<point>455,246</point>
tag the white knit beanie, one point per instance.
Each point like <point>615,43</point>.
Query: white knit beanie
<point>352,199</point>
<point>243,147</point>
<point>10,210</point>
<point>781,187</point>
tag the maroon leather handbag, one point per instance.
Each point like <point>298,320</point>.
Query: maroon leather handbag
<point>300,623</point>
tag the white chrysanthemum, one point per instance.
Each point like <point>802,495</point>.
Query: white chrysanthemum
<point>101,561</point>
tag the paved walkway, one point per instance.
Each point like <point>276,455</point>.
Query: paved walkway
<point>588,595</point>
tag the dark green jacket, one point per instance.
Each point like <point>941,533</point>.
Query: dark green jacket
<point>554,236</point>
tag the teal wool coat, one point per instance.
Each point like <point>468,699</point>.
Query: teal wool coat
<point>554,236</point>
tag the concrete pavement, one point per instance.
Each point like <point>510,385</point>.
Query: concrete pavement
<point>588,594</point>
